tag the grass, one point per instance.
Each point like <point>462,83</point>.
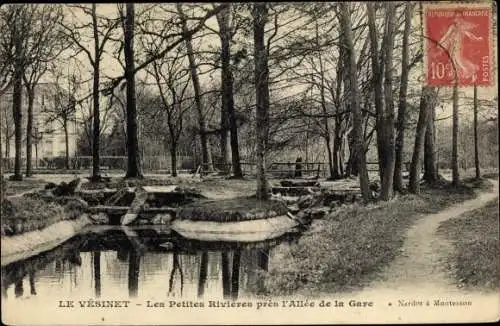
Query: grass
<point>346,249</point>
<point>30,213</point>
<point>474,235</point>
<point>27,184</point>
<point>232,210</point>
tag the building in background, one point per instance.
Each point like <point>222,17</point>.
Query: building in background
<point>48,133</point>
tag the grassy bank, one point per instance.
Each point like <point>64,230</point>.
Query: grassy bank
<point>476,248</point>
<point>25,214</point>
<point>346,249</point>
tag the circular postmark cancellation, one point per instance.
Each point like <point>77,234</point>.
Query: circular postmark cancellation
<point>458,44</point>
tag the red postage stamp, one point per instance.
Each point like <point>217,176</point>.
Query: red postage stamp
<point>458,39</point>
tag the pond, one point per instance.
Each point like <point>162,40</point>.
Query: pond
<point>144,263</point>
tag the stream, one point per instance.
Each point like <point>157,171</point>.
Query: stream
<point>150,263</point>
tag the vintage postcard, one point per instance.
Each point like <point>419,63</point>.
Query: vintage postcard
<point>249,163</point>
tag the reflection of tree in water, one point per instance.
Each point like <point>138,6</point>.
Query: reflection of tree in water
<point>15,272</point>
<point>32,283</point>
<point>96,257</point>
<point>133,273</point>
<point>235,276</point>
<point>203,274</point>
<point>226,285</point>
<point>176,267</point>
<point>18,288</point>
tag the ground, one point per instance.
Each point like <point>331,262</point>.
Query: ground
<point>388,245</point>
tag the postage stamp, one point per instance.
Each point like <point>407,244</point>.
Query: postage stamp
<point>458,39</point>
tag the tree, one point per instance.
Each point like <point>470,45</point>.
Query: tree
<point>383,97</point>
<point>402,105</point>
<point>427,102</point>
<point>430,160</point>
<point>205,146</point>
<point>259,15</point>
<point>228,109</point>
<point>50,43</point>
<point>134,169</point>
<point>345,22</point>
<point>19,34</point>
<point>63,109</point>
<point>170,77</point>
<point>102,32</point>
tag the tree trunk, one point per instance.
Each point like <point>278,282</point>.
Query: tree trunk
<point>134,169</point>
<point>430,165</point>
<point>223,18</point>
<point>29,131</point>
<point>326,125</point>
<point>403,90</point>
<point>96,173</point>
<point>388,150</point>
<point>205,146</point>
<point>173,159</point>
<point>66,143</point>
<point>17,107</point>
<point>356,110</point>
<point>259,14</point>
<point>454,149</point>
<point>378,86</point>
<point>331,163</point>
<point>476,143</point>
<point>337,139</point>
<point>418,148</point>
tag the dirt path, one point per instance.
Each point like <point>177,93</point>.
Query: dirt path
<point>420,266</point>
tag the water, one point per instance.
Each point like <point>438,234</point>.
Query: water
<point>143,263</point>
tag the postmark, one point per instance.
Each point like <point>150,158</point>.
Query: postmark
<point>458,42</point>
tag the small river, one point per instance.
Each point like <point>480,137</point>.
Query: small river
<point>144,263</point>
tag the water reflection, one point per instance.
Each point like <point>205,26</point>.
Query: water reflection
<point>141,263</point>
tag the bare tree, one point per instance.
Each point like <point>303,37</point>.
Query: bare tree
<point>260,16</point>
<point>226,32</point>
<point>402,107</point>
<point>205,146</point>
<point>102,32</point>
<point>172,80</point>
<point>427,101</point>
<point>345,21</point>
<point>134,168</point>
<point>63,109</point>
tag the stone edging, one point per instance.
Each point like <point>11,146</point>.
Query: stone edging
<point>28,244</point>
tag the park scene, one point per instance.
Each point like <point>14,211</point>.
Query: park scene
<point>247,151</point>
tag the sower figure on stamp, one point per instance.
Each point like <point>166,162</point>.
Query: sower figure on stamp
<point>452,40</point>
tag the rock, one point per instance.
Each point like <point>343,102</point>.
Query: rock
<point>161,219</point>
<point>320,212</point>
<point>100,218</point>
<point>167,245</point>
<point>50,185</point>
<point>305,201</point>
<point>374,186</point>
<point>142,221</point>
<point>294,209</point>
